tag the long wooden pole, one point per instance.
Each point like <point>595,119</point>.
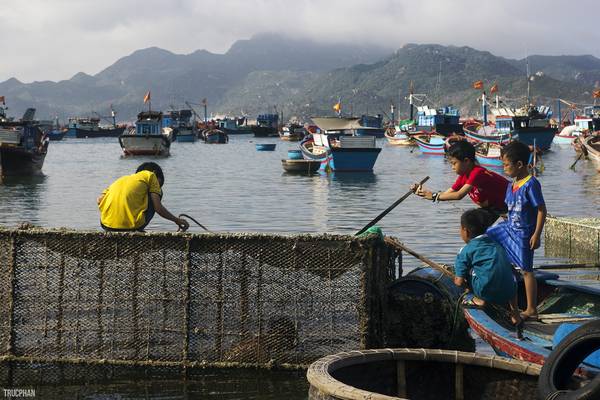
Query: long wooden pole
<point>390,208</point>
<point>396,243</point>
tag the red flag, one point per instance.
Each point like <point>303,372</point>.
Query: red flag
<point>494,88</point>
<point>337,107</point>
<point>478,85</point>
<point>595,94</point>
<point>147,97</point>
<point>2,100</point>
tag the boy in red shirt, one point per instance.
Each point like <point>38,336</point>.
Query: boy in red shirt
<point>484,187</point>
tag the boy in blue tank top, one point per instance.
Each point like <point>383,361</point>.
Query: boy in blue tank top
<point>520,234</point>
<point>483,264</point>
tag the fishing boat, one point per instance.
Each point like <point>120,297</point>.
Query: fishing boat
<point>183,125</point>
<point>443,121</point>
<point>489,154</point>
<point>214,136</point>
<point>485,134</point>
<point>591,148</point>
<point>529,125</point>
<point>87,127</point>
<point>371,125</point>
<point>337,147</point>
<point>23,146</point>
<point>265,146</point>
<point>301,166</point>
<point>234,126</point>
<point>267,125</point>
<point>148,137</point>
<point>431,144</point>
<point>292,133</point>
<point>399,138</point>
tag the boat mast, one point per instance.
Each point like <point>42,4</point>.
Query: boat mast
<point>410,100</point>
<point>528,84</point>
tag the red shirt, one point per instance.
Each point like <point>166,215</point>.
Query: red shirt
<point>487,187</point>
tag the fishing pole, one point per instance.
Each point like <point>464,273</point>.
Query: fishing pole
<point>191,218</point>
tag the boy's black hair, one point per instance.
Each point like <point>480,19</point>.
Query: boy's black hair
<point>461,150</point>
<point>476,221</point>
<point>152,167</point>
<point>516,151</point>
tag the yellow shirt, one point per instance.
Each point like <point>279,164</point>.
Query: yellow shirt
<point>126,200</point>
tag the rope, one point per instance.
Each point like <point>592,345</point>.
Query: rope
<point>197,223</point>
<point>555,395</point>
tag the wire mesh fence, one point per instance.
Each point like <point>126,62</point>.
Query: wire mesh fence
<point>178,301</point>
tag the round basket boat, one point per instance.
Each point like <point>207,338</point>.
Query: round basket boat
<point>265,146</point>
<point>295,155</point>
<point>301,166</point>
<point>420,374</point>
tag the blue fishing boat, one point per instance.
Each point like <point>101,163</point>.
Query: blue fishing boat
<point>341,152</point>
<point>214,136</point>
<point>183,125</point>
<point>442,121</point>
<point>234,126</point>
<point>89,127</point>
<point>489,155</point>
<point>530,126</point>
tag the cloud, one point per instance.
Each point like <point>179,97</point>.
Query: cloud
<point>53,40</point>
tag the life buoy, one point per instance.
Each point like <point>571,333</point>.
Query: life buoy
<point>565,359</point>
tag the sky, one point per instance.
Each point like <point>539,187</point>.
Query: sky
<point>55,39</point>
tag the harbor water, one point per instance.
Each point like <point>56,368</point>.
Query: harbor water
<point>233,187</point>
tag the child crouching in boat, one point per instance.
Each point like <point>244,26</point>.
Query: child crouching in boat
<point>483,266</point>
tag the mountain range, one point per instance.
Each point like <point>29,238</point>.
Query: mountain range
<point>270,73</point>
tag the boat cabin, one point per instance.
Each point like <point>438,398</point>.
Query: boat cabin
<point>149,123</point>
<point>268,120</point>
<point>228,123</point>
<point>88,124</point>
<point>430,117</point>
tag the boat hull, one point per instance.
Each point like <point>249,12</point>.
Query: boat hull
<point>375,132</point>
<point>145,145</point>
<point>564,140</point>
<point>17,161</point>
<point>353,160</point>
<point>91,134</point>
<point>434,149</point>
<point>477,138</point>
<point>540,137</point>
<point>400,139</point>
<point>301,166</point>
<point>264,131</point>
<point>592,148</point>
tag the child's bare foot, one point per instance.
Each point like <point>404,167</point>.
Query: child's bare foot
<point>529,315</point>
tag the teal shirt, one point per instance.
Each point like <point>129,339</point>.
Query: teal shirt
<point>485,266</point>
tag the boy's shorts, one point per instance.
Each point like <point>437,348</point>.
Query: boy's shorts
<point>517,248</point>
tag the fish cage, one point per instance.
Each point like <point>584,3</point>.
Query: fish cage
<point>90,306</point>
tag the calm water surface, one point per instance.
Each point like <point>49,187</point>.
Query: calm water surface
<point>233,187</point>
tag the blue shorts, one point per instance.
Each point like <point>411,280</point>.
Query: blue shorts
<point>517,248</point>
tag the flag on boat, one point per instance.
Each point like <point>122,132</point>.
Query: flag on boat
<point>147,97</point>
<point>337,107</point>
<point>494,88</point>
<point>595,94</point>
<point>478,85</point>
<point>2,100</point>
<point>204,101</point>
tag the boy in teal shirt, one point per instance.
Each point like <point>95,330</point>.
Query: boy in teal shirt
<point>484,265</point>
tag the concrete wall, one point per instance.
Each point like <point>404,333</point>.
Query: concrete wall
<point>574,238</point>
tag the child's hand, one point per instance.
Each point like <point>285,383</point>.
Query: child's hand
<point>534,242</point>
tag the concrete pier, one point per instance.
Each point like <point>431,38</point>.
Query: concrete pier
<point>574,238</point>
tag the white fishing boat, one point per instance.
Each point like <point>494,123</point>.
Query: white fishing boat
<point>148,137</point>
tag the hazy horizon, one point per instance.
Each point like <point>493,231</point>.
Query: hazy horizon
<point>58,40</point>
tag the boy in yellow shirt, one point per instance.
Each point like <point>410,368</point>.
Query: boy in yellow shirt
<point>129,203</point>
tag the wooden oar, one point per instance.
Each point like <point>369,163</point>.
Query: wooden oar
<point>578,158</point>
<point>569,266</point>
<point>390,208</point>
<point>399,245</point>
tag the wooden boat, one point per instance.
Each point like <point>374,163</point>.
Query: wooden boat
<point>148,137</point>
<point>431,144</point>
<point>405,373</point>
<point>591,148</point>
<point>488,154</point>
<point>486,135</point>
<point>214,136</point>
<point>292,133</point>
<point>83,128</point>
<point>265,146</point>
<point>23,146</point>
<point>341,152</point>
<point>399,138</point>
<point>301,166</point>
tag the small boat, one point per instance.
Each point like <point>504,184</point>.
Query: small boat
<point>399,138</point>
<point>56,134</point>
<point>591,148</point>
<point>443,121</point>
<point>234,126</point>
<point>405,373</point>
<point>301,166</point>
<point>529,125</point>
<point>486,135</point>
<point>148,137</point>
<point>488,154</point>
<point>23,146</point>
<point>295,154</point>
<point>265,146</point>
<point>267,125</point>
<point>292,133</point>
<point>183,125</point>
<point>431,144</point>
<point>83,128</point>
<point>342,153</point>
<point>214,136</point>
